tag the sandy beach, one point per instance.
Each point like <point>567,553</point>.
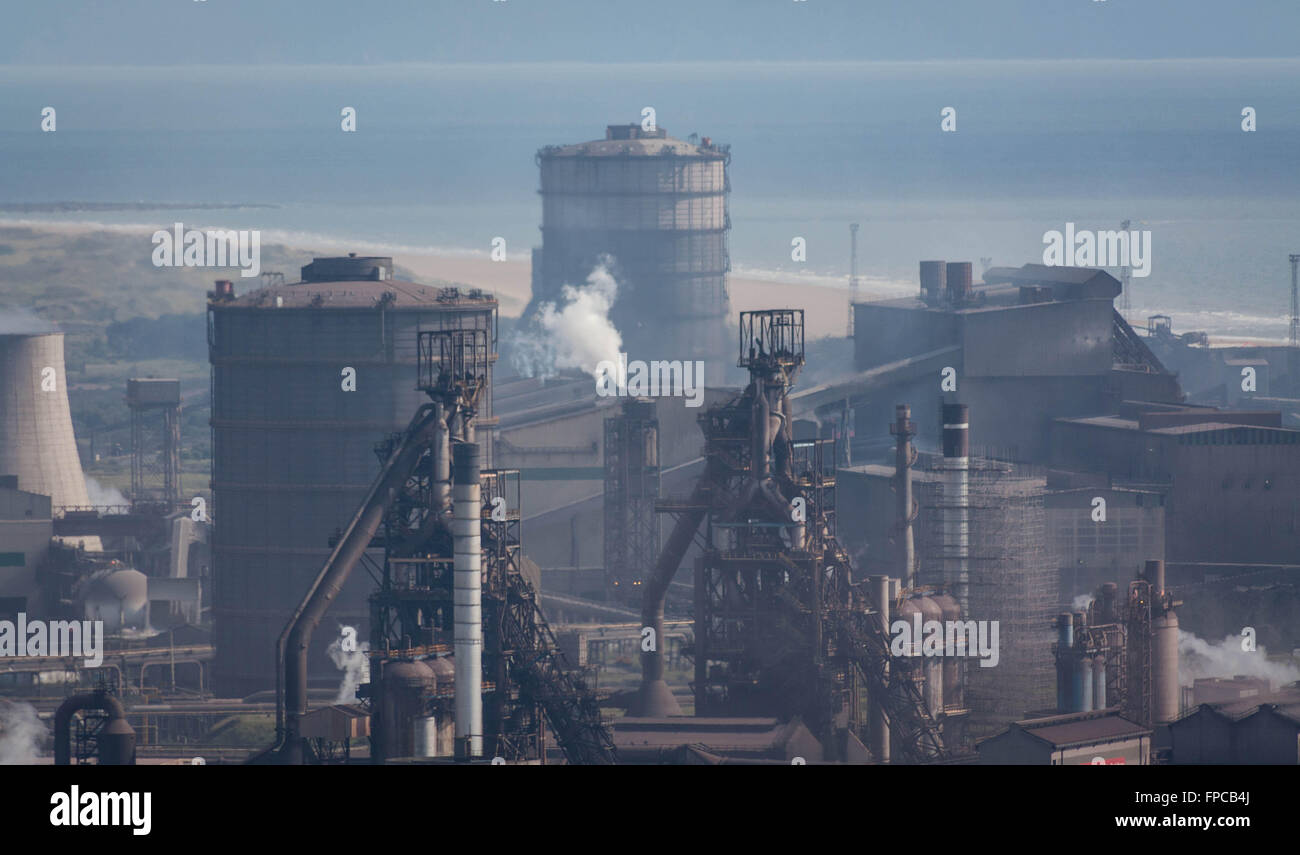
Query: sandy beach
<point>825,306</point>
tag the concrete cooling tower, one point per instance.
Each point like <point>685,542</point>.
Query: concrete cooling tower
<point>36,439</point>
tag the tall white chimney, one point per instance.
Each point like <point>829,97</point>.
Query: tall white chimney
<point>467,528</point>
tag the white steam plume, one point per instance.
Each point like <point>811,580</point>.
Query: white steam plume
<point>1198,658</point>
<point>102,496</point>
<point>354,664</point>
<point>21,734</point>
<point>576,333</point>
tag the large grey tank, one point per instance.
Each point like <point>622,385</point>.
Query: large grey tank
<point>658,206</point>
<point>293,440</point>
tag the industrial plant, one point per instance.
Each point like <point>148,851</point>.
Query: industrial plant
<point>1001,533</point>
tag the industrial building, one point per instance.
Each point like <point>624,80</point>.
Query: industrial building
<point>1228,478</point>
<point>306,378</point>
<point>1079,739</point>
<point>654,209</point>
<point>1262,729</point>
<point>1025,346</point>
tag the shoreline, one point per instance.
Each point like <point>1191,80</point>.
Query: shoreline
<point>825,307</point>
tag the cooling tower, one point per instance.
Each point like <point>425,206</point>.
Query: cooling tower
<point>658,207</point>
<point>294,434</point>
<point>36,439</point>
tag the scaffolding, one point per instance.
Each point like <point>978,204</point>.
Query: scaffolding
<point>1013,579</point>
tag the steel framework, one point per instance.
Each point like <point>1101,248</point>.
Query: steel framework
<point>413,609</point>
<point>632,478</point>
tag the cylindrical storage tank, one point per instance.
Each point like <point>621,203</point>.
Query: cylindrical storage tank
<point>959,281</point>
<point>425,736</point>
<point>404,686</point>
<point>120,599</point>
<point>655,208</point>
<point>934,280</point>
<point>306,379</point>
<point>1099,682</point>
<point>952,665</point>
<point>1164,667</point>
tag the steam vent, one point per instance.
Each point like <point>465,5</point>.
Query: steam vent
<point>657,206</point>
<point>294,453</point>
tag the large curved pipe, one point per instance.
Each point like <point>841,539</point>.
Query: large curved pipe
<point>655,698</point>
<point>116,741</point>
<point>294,641</point>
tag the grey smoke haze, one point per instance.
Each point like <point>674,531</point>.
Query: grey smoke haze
<point>21,734</point>
<point>1198,658</point>
<point>15,321</point>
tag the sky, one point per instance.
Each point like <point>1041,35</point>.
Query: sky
<point>216,32</point>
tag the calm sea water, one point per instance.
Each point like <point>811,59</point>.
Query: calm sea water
<point>443,159</point>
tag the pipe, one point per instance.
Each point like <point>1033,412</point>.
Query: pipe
<point>1085,684</point>
<point>116,740</point>
<point>877,721</point>
<point>1099,682</point>
<point>467,529</point>
<point>291,649</point>
<point>1064,654</point>
<point>442,461</point>
<point>903,433</point>
<point>655,699</point>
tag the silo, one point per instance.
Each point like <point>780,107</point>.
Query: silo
<point>294,433</point>
<point>657,206</point>
<point>36,439</point>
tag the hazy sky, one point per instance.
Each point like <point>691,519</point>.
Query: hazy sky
<point>174,32</point>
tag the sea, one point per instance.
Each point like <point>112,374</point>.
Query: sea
<point>442,161</point>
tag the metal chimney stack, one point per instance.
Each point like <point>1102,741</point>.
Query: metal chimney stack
<point>903,431</point>
<point>956,503</point>
<point>36,439</point>
<point>468,581</point>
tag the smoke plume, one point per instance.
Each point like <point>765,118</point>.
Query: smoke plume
<point>1198,658</point>
<point>576,333</point>
<point>23,322</point>
<point>102,496</point>
<point>354,664</point>
<point>21,734</point>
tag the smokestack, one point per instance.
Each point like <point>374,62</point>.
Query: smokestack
<point>1164,647</point>
<point>933,281</point>
<point>958,276</point>
<point>467,529</point>
<point>903,431</point>
<point>956,503</point>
